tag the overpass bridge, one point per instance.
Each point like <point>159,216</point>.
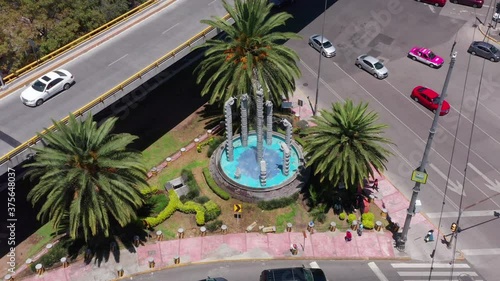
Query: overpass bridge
<point>121,60</point>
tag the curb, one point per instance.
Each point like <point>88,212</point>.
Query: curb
<point>487,36</point>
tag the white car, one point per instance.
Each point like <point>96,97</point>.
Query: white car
<point>47,86</point>
<point>323,45</point>
<point>372,66</point>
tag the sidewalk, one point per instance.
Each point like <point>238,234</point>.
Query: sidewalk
<point>372,245</point>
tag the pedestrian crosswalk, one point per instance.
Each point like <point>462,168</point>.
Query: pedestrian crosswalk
<point>440,272</point>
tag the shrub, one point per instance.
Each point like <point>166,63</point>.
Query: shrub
<point>150,190</point>
<point>189,180</point>
<point>213,143</point>
<point>215,188</point>
<point>278,203</point>
<point>368,220</point>
<point>212,210</point>
<point>201,199</point>
<point>213,226</point>
<point>52,257</point>
<point>192,208</point>
<point>158,202</point>
<point>200,218</point>
<point>351,218</point>
<point>342,216</point>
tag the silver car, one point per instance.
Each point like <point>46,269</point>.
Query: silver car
<point>372,65</point>
<point>323,45</point>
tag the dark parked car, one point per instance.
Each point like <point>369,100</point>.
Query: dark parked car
<point>281,3</point>
<point>472,3</point>
<point>293,274</point>
<point>484,50</point>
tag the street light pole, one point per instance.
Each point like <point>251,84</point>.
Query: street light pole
<point>320,57</point>
<point>411,209</point>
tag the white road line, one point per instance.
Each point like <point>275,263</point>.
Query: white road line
<point>377,271</point>
<point>435,273</point>
<point>453,186</point>
<point>432,9</point>
<point>464,214</point>
<point>170,28</point>
<point>490,111</point>
<point>481,252</point>
<point>117,60</point>
<point>212,2</point>
<point>428,265</point>
<point>322,81</point>
<point>446,279</point>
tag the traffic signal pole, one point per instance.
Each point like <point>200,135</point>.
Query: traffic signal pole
<point>400,243</point>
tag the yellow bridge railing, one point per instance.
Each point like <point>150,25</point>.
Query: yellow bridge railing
<point>111,92</point>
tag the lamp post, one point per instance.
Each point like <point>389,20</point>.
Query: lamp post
<point>320,57</point>
<point>411,209</point>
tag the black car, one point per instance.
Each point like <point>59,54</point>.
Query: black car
<point>281,3</point>
<point>484,50</point>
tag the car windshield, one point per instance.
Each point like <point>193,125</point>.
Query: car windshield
<point>378,65</point>
<point>431,55</point>
<point>327,44</point>
<point>38,86</point>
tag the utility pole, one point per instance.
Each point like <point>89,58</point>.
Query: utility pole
<point>411,209</point>
<point>320,57</point>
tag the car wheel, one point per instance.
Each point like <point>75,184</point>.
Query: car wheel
<point>413,58</point>
<point>358,65</point>
<point>415,99</point>
<point>375,75</point>
<point>39,102</point>
<point>419,0</point>
<point>310,44</point>
<point>436,4</point>
<point>473,53</point>
<point>434,111</point>
<point>324,54</point>
<point>474,6</point>
<point>431,65</point>
<point>66,86</point>
<point>492,59</point>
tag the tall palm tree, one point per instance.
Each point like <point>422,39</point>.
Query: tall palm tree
<point>88,179</point>
<point>347,144</point>
<point>250,56</point>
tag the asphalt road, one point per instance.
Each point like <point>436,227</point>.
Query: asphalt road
<point>388,30</point>
<point>102,68</point>
<point>334,271</point>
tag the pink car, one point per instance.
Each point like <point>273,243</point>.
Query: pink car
<point>426,56</point>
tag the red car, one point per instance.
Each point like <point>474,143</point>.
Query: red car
<point>472,3</point>
<point>437,3</point>
<point>429,99</point>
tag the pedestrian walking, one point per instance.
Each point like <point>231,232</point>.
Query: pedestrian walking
<point>360,229</point>
<point>430,236</point>
<point>348,236</point>
<point>375,185</point>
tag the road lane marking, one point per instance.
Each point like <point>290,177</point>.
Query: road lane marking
<point>481,252</point>
<point>436,274</point>
<point>170,28</point>
<point>377,271</point>
<point>428,265</point>
<point>117,60</point>
<point>212,2</point>
<point>322,81</point>
<point>432,9</point>
<point>493,185</point>
<point>486,213</point>
<point>453,186</point>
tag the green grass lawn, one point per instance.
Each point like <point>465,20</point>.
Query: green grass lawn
<point>46,233</point>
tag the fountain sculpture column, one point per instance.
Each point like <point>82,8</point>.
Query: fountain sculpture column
<point>269,125</point>
<point>286,158</point>
<point>260,121</point>
<point>244,120</point>
<point>288,135</point>
<point>229,129</point>
<point>263,173</point>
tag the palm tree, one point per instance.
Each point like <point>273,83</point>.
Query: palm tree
<point>346,145</point>
<point>88,179</point>
<point>250,56</point>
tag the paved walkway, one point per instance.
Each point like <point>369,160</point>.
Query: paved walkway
<point>257,246</point>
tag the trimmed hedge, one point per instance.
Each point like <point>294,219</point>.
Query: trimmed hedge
<point>212,211</point>
<point>342,216</point>
<point>278,203</point>
<point>351,218</point>
<point>213,186</point>
<point>172,206</point>
<point>150,190</point>
<point>368,220</point>
<point>51,257</point>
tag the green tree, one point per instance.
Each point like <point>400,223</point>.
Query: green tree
<point>346,145</point>
<point>251,54</point>
<point>88,180</point>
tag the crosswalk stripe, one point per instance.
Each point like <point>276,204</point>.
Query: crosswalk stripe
<point>428,265</point>
<point>436,274</point>
<point>481,252</point>
<point>377,271</point>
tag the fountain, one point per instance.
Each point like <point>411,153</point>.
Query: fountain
<point>261,164</point>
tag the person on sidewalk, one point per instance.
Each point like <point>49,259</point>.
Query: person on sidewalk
<point>360,229</point>
<point>375,185</point>
<point>348,236</point>
<point>430,236</point>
